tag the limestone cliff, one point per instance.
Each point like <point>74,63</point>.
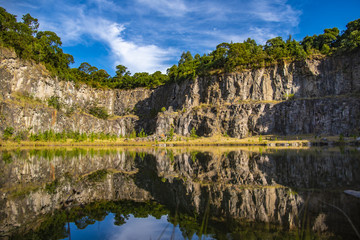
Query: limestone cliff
<point>314,96</point>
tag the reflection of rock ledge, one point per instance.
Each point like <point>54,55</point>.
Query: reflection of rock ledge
<point>234,184</point>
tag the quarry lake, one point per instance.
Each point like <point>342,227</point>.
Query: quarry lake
<point>179,193</point>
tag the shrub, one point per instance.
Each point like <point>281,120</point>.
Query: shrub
<point>113,137</point>
<point>22,135</point>
<point>142,133</point>
<point>133,134</point>
<point>48,135</point>
<point>54,101</point>
<point>82,137</point>
<point>92,136</point>
<point>34,137</point>
<point>99,112</point>
<point>104,136</point>
<point>171,134</point>
<point>193,133</point>
<point>8,132</point>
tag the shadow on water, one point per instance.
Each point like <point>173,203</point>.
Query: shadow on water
<point>205,194</point>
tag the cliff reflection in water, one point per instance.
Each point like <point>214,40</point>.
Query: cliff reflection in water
<point>224,192</point>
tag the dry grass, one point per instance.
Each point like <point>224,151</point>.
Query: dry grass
<point>269,141</point>
<point>259,141</point>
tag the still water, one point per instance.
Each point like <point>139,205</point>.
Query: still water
<point>179,193</point>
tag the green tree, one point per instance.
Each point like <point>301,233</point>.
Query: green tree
<point>294,49</point>
<point>86,68</point>
<point>326,41</point>
<point>185,57</point>
<point>31,23</point>
<point>121,71</point>
<point>276,48</point>
<point>45,47</point>
<point>308,44</point>
<point>220,55</point>
<point>350,39</point>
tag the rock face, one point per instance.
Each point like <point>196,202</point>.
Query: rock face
<point>317,96</point>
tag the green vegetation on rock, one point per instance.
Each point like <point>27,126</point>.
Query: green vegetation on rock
<point>52,136</point>
<point>54,101</point>
<point>45,47</point>
<point>8,132</point>
<point>99,112</point>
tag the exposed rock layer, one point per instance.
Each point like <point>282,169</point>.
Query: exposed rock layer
<point>317,96</point>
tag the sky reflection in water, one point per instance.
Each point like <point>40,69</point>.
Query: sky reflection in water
<point>133,229</point>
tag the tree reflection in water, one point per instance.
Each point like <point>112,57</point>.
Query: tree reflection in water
<point>216,193</point>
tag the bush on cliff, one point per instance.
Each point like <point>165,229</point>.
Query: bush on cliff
<point>99,112</point>
<point>8,132</point>
<point>54,101</point>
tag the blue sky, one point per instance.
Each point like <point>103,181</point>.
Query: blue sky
<point>150,35</point>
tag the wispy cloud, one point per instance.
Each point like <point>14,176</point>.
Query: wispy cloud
<point>166,7</point>
<point>76,25</point>
<point>149,35</point>
<point>261,35</point>
<point>275,11</point>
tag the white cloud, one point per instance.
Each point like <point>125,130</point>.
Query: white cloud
<point>275,11</point>
<point>138,58</point>
<point>145,35</point>
<point>151,228</point>
<point>166,7</point>
<point>75,27</point>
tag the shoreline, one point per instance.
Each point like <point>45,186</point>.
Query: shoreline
<point>268,141</point>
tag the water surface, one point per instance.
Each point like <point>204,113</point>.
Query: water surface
<point>190,193</point>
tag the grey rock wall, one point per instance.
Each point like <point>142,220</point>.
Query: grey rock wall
<point>324,94</point>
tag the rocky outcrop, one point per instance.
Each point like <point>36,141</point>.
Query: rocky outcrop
<point>329,116</point>
<point>313,96</point>
<point>26,88</point>
<point>33,80</point>
<point>37,117</point>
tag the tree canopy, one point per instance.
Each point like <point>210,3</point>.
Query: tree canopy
<point>229,57</point>
<point>45,47</point>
